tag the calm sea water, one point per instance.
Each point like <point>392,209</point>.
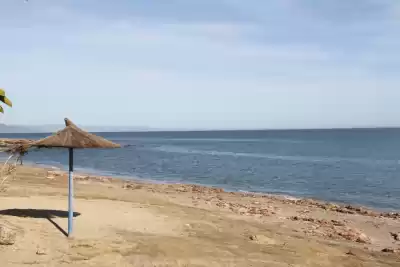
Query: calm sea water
<point>352,166</point>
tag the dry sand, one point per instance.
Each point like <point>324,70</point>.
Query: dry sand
<point>121,223</point>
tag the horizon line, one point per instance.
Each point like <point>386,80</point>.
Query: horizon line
<point>152,130</point>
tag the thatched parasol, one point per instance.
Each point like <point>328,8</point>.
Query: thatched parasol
<point>73,137</point>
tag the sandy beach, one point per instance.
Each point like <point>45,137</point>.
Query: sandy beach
<point>127,223</point>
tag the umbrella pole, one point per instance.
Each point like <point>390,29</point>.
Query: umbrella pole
<point>70,192</point>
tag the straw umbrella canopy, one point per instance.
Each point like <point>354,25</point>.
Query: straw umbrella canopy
<point>73,137</point>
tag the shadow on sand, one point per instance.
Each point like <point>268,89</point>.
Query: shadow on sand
<point>37,213</point>
<point>40,214</point>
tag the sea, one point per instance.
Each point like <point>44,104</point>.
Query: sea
<point>357,166</point>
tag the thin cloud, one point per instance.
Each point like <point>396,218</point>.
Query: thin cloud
<point>259,64</point>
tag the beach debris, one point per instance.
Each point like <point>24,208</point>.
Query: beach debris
<point>55,174</point>
<point>347,209</point>
<point>351,253</point>
<point>321,222</point>
<point>242,210</point>
<point>225,205</point>
<point>304,211</point>
<point>337,223</point>
<point>396,236</point>
<point>363,238</point>
<point>354,235</point>
<point>132,186</point>
<point>79,177</point>
<point>392,215</point>
<point>253,238</point>
<point>40,251</point>
<point>245,209</point>
<point>182,189</point>
<point>333,229</point>
<point>7,236</point>
<point>203,189</point>
<point>262,239</point>
<point>390,250</point>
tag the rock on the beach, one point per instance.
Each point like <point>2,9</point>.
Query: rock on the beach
<point>262,239</point>
<point>253,238</point>
<point>351,253</point>
<point>320,222</point>
<point>41,251</point>
<point>396,236</point>
<point>363,238</point>
<point>242,210</point>
<point>56,173</point>
<point>337,223</point>
<point>181,189</point>
<point>132,186</point>
<point>354,235</point>
<point>392,215</point>
<point>7,236</point>
<point>390,250</point>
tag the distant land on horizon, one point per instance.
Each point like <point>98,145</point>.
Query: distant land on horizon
<point>54,128</point>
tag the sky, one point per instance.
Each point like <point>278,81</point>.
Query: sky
<point>202,64</point>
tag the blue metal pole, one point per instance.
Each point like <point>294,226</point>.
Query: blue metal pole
<point>70,192</point>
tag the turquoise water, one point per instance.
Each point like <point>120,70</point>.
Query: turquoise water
<point>353,166</point>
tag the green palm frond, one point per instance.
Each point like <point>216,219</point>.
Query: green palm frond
<point>4,99</point>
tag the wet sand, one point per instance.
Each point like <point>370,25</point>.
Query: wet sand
<point>127,223</point>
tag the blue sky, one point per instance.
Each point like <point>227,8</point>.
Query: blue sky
<point>202,63</point>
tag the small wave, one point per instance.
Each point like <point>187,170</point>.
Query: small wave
<point>332,160</point>
<point>48,163</point>
<point>219,140</point>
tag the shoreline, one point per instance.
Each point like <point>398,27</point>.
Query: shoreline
<point>199,188</point>
<point>96,173</point>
